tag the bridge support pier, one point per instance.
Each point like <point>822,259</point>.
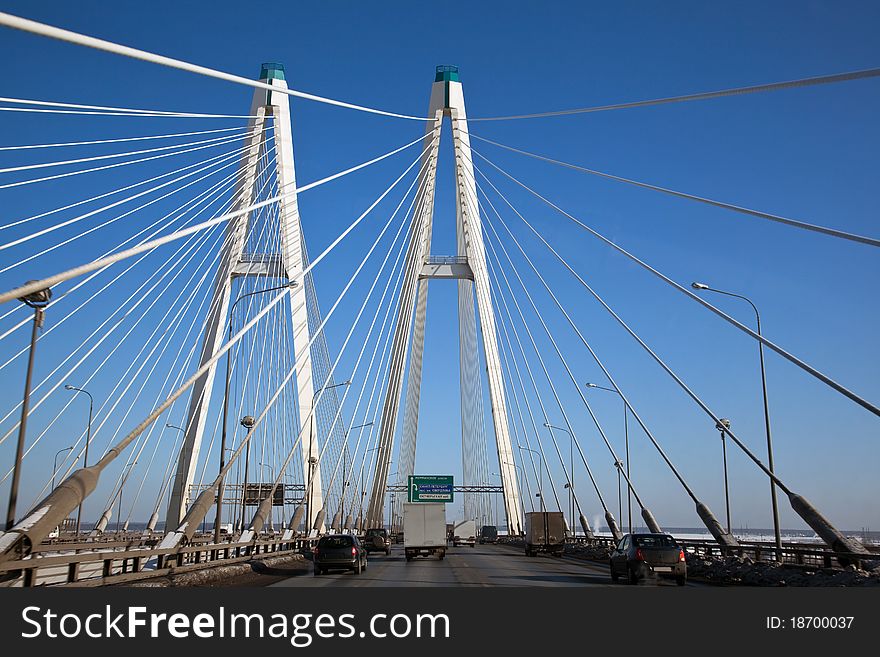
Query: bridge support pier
<point>447,99</point>
<point>235,263</point>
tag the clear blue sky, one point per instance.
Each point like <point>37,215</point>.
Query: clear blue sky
<point>808,153</point>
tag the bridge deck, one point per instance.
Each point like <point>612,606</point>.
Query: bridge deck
<point>482,565</point>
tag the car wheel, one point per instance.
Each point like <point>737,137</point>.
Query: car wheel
<point>681,581</point>
<point>441,555</point>
<point>633,576</point>
<point>614,576</point>
<point>317,571</point>
<point>388,552</point>
<point>357,568</point>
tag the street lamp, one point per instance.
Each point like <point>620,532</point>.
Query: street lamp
<point>776,529</point>
<point>125,477</point>
<point>629,512</point>
<point>619,464</point>
<point>570,484</point>
<point>75,390</point>
<point>723,425</point>
<point>497,518</point>
<point>364,490</point>
<point>272,480</point>
<point>38,301</point>
<point>248,423</point>
<point>55,467</point>
<point>393,495</point>
<point>522,480</point>
<point>541,481</point>
<point>219,510</point>
<point>308,491</point>
<point>344,467</point>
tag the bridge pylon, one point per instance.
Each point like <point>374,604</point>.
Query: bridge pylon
<point>236,263</point>
<point>469,268</point>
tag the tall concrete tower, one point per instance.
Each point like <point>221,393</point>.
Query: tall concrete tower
<point>468,267</point>
<point>235,263</point>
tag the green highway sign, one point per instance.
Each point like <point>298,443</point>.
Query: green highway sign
<point>429,488</point>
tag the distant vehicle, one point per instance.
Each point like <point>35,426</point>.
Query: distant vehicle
<point>449,528</point>
<point>339,552</point>
<point>544,532</point>
<point>377,540</point>
<point>488,534</point>
<point>424,529</point>
<point>464,532</point>
<point>638,556</point>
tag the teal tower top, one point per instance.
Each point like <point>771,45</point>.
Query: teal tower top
<point>272,70</point>
<point>446,74</point>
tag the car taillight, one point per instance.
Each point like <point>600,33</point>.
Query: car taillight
<point>639,555</point>
<point>353,551</point>
<point>681,555</point>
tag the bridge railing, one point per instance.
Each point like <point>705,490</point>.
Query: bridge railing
<point>794,554</point>
<point>119,561</point>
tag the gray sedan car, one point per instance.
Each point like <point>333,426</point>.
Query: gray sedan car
<point>638,556</point>
<point>339,552</point>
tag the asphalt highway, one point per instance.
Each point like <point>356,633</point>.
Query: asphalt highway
<point>482,565</point>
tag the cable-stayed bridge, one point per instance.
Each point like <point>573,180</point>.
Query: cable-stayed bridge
<point>179,300</point>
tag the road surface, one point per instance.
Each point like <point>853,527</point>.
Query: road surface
<point>482,565</point>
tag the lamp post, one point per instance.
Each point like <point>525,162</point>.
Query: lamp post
<point>619,464</point>
<point>522,480</point>
<point>307,493</point>
<point>345,481</point>
<point>38,301</point>
<point>723,425</point>
<point>496,474</point>
<point>125,477</point>
<point>248,422</point>
<point>629,512</point>
<point>541,480</point>
<point>75,390</point>
<point>393,495</point>
<point>219,511</point>
<point>776,529</point>
<point>55,467</point>
<point>312,459</point>
<point>271,479</point>
<point>570,484</point>
<point>364,490</point>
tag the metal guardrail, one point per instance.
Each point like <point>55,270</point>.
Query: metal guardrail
<point>97,563</point>
<point>796,554</point>
<point>111,560</point>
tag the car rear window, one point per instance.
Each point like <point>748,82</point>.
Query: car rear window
<point>375,532</point>
<point>335,542</point>
<point>654,541</point>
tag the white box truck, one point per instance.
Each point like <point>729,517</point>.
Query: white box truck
<point>424,529</point>
<point>464,532</point>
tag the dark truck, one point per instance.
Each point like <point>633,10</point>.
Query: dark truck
<point>488,534</point>
<point>544,532</point>
<point>377,540</point>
